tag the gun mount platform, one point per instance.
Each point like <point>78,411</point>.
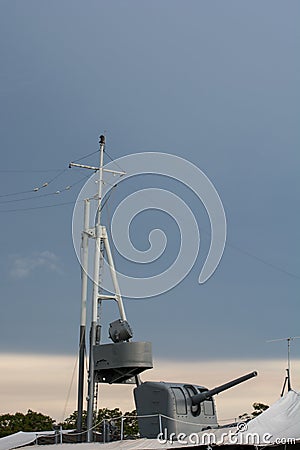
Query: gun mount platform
<point>119,362</point>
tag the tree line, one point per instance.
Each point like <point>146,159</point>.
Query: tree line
<point>34,421</point>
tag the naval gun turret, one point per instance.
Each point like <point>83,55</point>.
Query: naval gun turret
<point>202,396</point>
<point>173,408</point>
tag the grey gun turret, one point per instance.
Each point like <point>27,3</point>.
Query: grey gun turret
<point>173,408</point>
<point>198,398</point>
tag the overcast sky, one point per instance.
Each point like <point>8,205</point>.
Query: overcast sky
<point>214,82</point>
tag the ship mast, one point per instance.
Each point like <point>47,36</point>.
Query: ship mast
<point>97,252</point>
<point>99,234</point>
<point>124,359</point>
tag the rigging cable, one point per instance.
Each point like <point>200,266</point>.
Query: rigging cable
<point>59,191</point>
<point>28,170</point>
<point>114,161</point>
<point>86,156</point>
<point>69,389</point>
<point>44,185</point>
<point>36,207</point>
<point>37,188</point>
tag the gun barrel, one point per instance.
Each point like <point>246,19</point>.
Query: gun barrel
<point>198,398</point>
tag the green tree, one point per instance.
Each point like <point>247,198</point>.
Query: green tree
<point>113,422</point>
<point>31,421</point>
<point>108,414</point>
<point>70,423</point>
<point>258,408</point>
<point>131,427</point>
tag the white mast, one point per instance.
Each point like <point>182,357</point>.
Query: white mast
<point>97,252</point>
<point>99,234</point>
